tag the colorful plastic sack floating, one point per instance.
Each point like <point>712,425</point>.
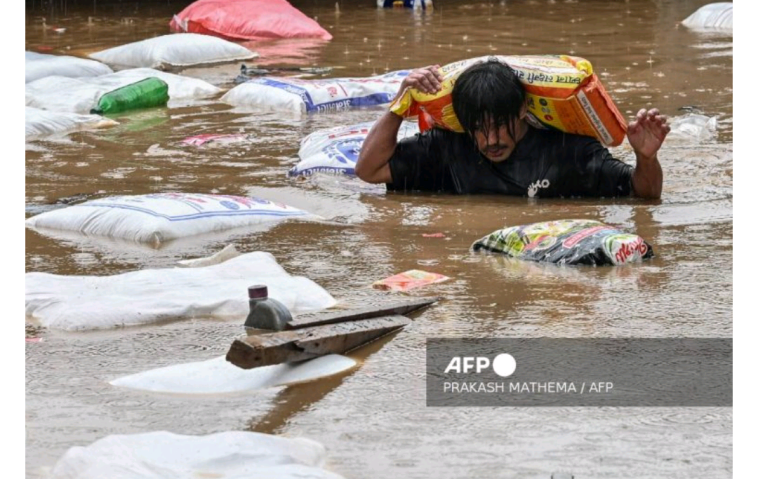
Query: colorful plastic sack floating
<point>147,93</point>
<point>315,96</point>
<point>247,20</point>
<point>562,93</point>
<point>336,150</point>
<point>570,242</point>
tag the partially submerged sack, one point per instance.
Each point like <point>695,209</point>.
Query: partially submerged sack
<point>161,217</point>
<point>219,376</point>
<point>247,20</point>
<point>336,150</point>
<point>147,93</point>
<point>567,242</point>
<point>716,16</point>
<point>310,96</point>
<point>41,123</point>
<point>223,455</point>
<point>81,95</point>
<point>177,50</point>
<point>40,65</point>
<point>562,93</point>
<point>151,295</point>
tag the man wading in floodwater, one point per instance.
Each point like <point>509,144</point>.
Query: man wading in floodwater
<point>501,153</point>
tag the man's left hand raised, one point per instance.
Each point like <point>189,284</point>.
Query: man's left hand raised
<point>647,132</point>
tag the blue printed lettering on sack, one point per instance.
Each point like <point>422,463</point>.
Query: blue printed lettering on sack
<point>344,151</point>
<point>368,100</point>
<point>289,88</point>
<point>378,98</point>
<point>204,206</point>
<point>332,170</point>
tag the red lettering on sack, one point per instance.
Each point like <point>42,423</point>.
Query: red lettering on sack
<point>362,131</point>
<point>627,250</point>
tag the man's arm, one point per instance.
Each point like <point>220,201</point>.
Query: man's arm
<point>373,162</point>
<point>646,134</point>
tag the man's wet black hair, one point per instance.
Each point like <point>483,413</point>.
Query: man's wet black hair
<point>488,90</point>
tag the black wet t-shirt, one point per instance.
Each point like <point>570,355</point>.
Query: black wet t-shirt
<point>545,163</point>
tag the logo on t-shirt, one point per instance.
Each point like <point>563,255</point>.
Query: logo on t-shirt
<point>534,187</point>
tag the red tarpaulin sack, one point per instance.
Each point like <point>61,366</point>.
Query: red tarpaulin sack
<point>247,20</point>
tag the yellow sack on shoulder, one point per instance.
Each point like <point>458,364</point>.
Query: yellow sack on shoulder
<point>562,92</point>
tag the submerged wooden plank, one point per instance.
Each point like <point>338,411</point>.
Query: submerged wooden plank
<point>308,343</point>
<point>397,307</point>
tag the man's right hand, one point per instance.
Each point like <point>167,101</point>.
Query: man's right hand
<point>427,80</point>
<point>373,161</point>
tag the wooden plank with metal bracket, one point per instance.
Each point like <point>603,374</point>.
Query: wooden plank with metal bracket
<point>315,335</point>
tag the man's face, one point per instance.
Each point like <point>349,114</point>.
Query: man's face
<point>494,142</point>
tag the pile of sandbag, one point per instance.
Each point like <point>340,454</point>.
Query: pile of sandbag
<point>41,123</point>
<point>148,296</point>
<point>227,455</point>
<point>161,217</point>
<point>335,150</point>
<point>312,96</point>
<point>247,20</point>
<point>82,95</point>
<point>178,50</point>
<point>40,65</point>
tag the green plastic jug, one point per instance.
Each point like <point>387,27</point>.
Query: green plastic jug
<point>147,93</point>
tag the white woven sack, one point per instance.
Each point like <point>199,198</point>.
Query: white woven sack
<point>335,150</point>
<point>148,296</point>
<point>157,218</point>
<point>219,376</point>
<point>80,95</point>
<point>315,96</point>
<point>41,123</point>
<point>40,65</point>
<point>712,16</point>
<point>176,50</point>
<point>224,455</point>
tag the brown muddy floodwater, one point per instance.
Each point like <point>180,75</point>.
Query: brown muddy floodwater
<point>373,420</point>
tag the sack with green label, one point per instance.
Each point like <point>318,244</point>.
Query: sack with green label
<point>570,242</point>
